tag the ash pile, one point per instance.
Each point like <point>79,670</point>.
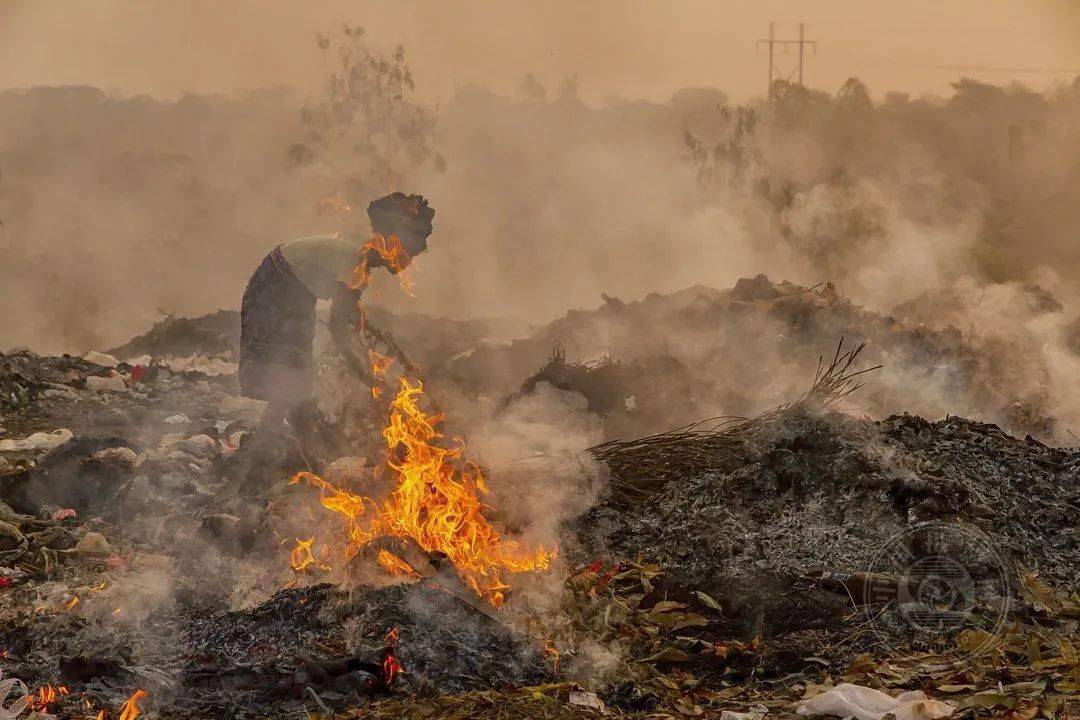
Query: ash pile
<point>145,531</point>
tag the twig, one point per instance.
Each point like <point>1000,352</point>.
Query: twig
<point>642,466</point>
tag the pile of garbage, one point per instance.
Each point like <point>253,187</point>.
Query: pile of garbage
<point>146,529</point>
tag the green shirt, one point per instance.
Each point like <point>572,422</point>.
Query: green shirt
<point>322,262</point>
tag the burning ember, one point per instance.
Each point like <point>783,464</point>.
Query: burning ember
<point>436,496</point>
<point>391,667</point>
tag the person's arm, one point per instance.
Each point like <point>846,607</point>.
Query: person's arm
<point>345,325</point>
<point>345,312</point>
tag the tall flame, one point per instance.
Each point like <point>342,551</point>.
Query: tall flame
<point>435,502</point>
<point>130,709</point>
<point>436,497</point>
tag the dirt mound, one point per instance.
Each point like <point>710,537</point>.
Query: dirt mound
<point>214,334</point>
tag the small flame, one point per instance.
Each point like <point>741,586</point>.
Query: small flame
<point>130,709</point>
<point>301,557</point>
<point>553,655</point>
<point>379,363</point>
<point>391,669</point>
<point>395,565</point>
<point>46,695</point>
<point>392,252</point>
<point>72,603</point>
<point>335,204</point>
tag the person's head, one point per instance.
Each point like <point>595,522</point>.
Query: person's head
<point>406,217</point>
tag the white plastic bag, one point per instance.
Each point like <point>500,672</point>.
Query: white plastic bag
<point>10,712</point>
<point>37,441</point>
<point>863,703</point>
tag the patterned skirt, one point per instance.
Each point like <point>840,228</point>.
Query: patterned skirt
<point>277,329</point>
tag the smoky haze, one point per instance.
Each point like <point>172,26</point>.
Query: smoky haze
<point>607,151</point>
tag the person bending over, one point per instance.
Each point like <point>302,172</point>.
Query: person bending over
<point>277,315</point>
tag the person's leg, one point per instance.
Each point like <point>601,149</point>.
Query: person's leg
<point>273,415</point>
<point>308,426</point>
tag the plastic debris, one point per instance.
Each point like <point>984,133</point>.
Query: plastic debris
<point>863,703</point>
<point>100,358</point>
<point>119,455</point>
<point>37,441</point>
<point>10,712</point>
<point>178,419</point>
<point>587,699</point>
<point>755,713</point>
<point>112,383</point>
<point>94,543</point>
<point>200,363</point>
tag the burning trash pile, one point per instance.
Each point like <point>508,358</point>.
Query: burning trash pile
<point>158,559</point>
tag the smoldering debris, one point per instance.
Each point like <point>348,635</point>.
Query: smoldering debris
<point>149,547</point>
<point>669,360</point>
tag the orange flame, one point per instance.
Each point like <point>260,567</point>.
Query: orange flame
<point>130,709</point>
<point>390,251</point>
<point>379,363</point>
<point>46,696</point>
<point>436,495</point>
<point>301,557</point>
<point>395,565</point>
<point>336,205</point>
<point>553,654</point>
<point>435,502</point>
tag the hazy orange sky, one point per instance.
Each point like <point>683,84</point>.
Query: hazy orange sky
<point>624,48</point>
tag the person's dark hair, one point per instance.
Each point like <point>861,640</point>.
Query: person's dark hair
<point>400,212</point>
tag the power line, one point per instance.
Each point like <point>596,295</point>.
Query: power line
<point>773,43</point>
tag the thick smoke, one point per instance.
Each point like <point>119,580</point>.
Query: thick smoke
<point>144,207</point>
